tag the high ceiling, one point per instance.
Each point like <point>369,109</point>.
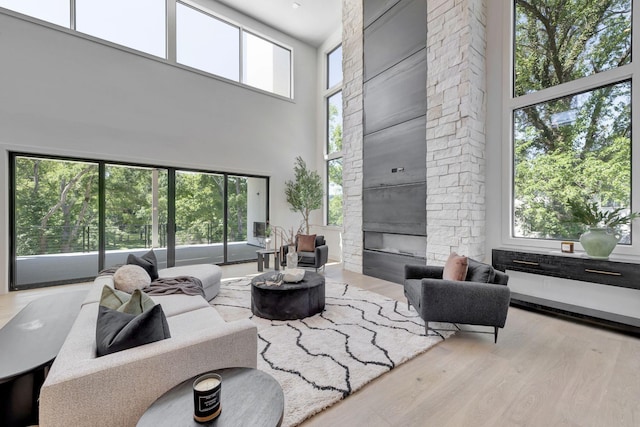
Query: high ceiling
<point>313,22</point>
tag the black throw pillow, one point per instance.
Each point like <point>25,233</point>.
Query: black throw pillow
<point>117,331</point>
<point>147,261</point>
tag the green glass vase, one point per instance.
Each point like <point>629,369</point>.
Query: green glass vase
<point>598,243</point>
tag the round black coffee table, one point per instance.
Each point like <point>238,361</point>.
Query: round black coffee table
<point>289,300</point>
<point>249,397</point>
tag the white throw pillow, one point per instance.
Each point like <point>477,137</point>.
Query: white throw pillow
<point>130,277</point>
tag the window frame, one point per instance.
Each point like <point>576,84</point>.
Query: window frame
<point>101,253</point>
<point>170,42</point>
<point>510,103</point>
<point>327,93</point>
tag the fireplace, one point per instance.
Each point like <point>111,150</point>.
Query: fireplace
<point>386,254</point>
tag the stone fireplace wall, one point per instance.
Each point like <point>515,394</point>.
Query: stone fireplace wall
<point>456,115</point>
<point>352,87</point>
<point>455,129</point>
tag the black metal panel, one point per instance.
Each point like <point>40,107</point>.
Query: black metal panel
<point>387,266</point>
<point>398,209</point>
<point>396,155</point>
<point>613,273</point>
<point>373,9</point>
<point>397,95</point>
<point>398,34</point>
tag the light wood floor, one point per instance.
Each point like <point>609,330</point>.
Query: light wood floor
<point>544,371</point>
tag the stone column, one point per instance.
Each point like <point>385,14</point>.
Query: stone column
<point>352,72</point>
<point>456,112</point>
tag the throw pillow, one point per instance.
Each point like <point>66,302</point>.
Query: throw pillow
<point>136,303</point>
<point>147,261</point>
<point>479,272</point>
<point>306,243</point>
<point>128,278</point>
<point>455,268</point>
<point>117,331</point>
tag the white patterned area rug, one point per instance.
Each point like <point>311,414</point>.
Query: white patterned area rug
<point>324,358</point>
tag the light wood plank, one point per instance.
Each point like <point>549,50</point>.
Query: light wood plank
<point>544,370</point>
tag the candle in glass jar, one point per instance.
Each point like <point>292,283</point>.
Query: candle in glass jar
<point>206,397</point>
<point>207,384</point>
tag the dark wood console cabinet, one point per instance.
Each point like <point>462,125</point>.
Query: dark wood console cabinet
<point>615,274</point>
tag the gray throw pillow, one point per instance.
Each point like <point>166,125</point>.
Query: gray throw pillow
<point>479,272</point>
<point>117,331</point>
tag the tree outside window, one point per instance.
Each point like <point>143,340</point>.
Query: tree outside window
<point>576,146</point>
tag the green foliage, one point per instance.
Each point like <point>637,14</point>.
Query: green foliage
<point>575,147</point>
<point>305,193</point>
<point>335,192</point>
<point>56,209</point>
<point>589,214</point>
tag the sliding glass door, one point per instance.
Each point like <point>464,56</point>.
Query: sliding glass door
<point>199,218</point>
<point>72,217</point>
<point>55,220</point>
<point>135,213</point>
<point>246,217</point>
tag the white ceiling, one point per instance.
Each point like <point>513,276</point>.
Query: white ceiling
<point>313,22</point>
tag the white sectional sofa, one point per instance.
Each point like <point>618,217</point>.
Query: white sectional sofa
<point>115,390</point>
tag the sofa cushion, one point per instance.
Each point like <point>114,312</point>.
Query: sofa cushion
<point>135,303</point>
<point>479,272</point>
<point>306,243</point>
<point>455,268</point>
<point>117,331</point>
<point>128,278</point>
<point>147,261</point>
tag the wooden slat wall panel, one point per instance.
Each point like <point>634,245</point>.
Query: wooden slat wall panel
<point>398,34</point>
<point>387,266</point>
<point>373,9</point>
<point>397,95</point>
<point>399,209</point>
<point>402,145</point>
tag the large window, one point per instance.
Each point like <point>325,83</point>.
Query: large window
<point>571,113</point>
<point>333,130</point>
<point>207,43</point>
<point>139,24</point>
<point>192,36</point>
<point>61,231</point>
<point>54,11</point>
<point>266,65</point>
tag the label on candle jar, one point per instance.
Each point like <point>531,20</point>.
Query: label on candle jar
<point>206,397</point>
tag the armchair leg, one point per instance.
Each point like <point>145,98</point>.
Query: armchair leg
<point>495,331</point>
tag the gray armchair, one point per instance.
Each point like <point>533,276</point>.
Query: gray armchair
<point>482,299</point>
<point>316,259</point>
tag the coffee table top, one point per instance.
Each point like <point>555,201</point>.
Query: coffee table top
<point>33,337</point>
<point>249,397</point>
<point>309,280</point>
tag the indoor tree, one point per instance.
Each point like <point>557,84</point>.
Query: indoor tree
<point>305,193</point>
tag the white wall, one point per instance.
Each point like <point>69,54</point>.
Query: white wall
<point>66,95</point>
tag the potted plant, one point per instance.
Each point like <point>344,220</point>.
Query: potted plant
<point>305,194</point>
<point>602,235</point>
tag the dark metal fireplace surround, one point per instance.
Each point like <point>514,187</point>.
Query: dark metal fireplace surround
<point>385,254</point>
<point>394,169</point>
